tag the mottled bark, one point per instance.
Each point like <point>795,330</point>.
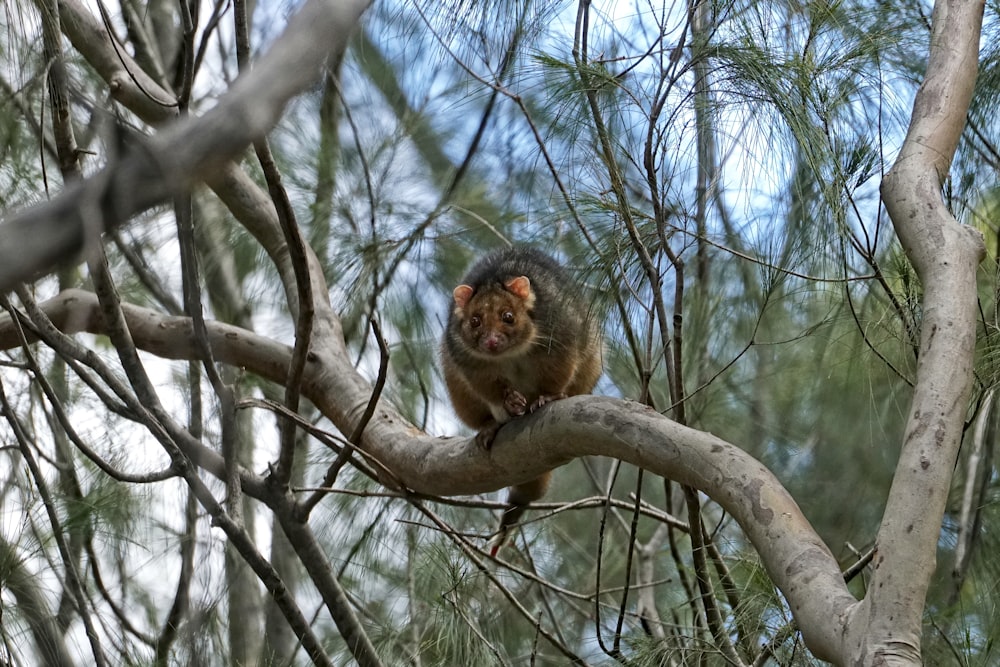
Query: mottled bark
<point>885,628</point>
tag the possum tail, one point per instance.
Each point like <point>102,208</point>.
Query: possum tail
<point>518,499</point>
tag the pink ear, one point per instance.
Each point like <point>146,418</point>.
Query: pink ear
<point>519,286</point>
<point>462,295</point>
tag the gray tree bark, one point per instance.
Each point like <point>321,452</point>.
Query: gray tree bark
<point>885,627</point>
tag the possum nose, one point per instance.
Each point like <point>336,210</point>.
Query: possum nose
<point>491,342</point>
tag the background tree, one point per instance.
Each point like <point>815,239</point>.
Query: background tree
<point>221,399</point>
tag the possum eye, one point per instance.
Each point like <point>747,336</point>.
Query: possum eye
<point>507,317</point>
<point>475,321</point>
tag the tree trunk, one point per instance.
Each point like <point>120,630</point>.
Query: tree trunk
<point>885,628</point>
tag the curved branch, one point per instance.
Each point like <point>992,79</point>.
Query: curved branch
<point>795,557</point>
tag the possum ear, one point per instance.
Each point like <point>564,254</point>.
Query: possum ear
<point>520,287</point>
<point>462,295</point>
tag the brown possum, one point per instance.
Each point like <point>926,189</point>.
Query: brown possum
<point>519,335</point>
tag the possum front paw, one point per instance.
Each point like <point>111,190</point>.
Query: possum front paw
<point>514,402</point>
<point>543,400</point>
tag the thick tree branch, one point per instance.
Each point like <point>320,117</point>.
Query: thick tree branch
<point>795,557</point>
<point>132,88</point>
<point>185,153</point>
<point>886,627</point>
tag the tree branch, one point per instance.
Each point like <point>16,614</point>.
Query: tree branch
<point>131,87</point>
<point>188,151</point>
<point>886,627</point>
<point>795,557</point>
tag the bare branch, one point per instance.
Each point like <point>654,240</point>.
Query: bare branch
<point>187,152</point>
<point>130,87</point>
